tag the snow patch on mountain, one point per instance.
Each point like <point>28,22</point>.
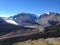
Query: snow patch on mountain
<point>10,20</point>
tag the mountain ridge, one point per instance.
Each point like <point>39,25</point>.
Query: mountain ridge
<point>27,19</point>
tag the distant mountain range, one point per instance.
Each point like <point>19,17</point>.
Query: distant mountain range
<point>27,19</point>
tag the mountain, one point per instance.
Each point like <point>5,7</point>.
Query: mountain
<point>2,20</point>
<point>25,19</point>
<point>48,19</point>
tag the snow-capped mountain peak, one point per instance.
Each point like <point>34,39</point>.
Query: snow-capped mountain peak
<point>47,13</point>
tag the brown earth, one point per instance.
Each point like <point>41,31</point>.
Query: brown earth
<point>48,41</point>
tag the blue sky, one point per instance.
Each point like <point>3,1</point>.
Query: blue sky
<point>13,7</point>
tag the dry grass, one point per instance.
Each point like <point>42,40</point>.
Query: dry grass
<point>49,41</point>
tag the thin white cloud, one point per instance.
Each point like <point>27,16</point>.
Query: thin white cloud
<point>3,15</point>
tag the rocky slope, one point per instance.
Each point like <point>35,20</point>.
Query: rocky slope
<point>25,19</point>
<point>49,19</point>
